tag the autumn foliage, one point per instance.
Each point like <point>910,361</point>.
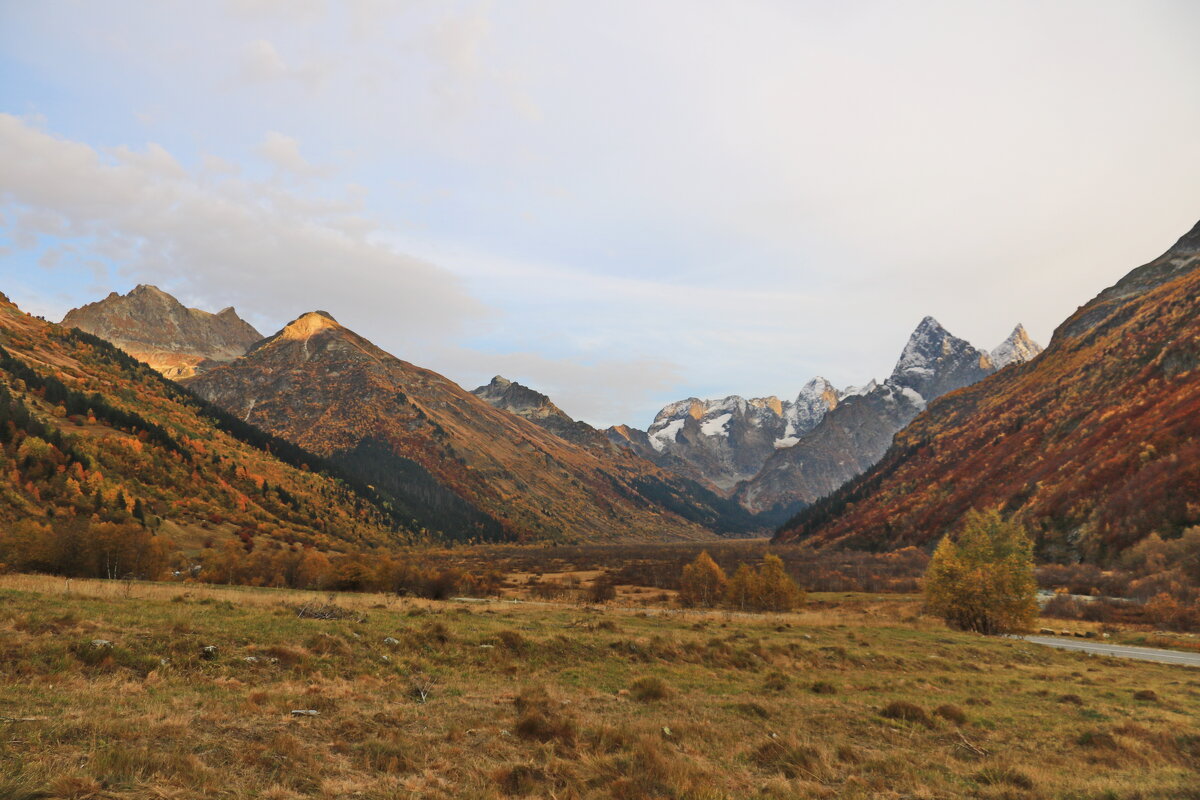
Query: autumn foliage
<point>982,578</point>
<point>1093,445</point>
<point>702,583</point>
<point>768,588</point>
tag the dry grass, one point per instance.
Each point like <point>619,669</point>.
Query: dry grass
<point>555,700</point>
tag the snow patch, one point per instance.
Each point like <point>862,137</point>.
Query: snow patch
<point>668,433</point>
<point>716,425</point>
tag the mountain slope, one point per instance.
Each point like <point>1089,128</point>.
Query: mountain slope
<point>854,435</point>
<point>1093,444</point>
<point>86,431</point>
<point>154,327</point>
<point>451,460</point>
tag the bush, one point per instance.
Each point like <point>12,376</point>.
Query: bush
<point>982,579</point>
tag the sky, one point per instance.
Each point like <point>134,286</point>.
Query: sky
<point>620,204</point>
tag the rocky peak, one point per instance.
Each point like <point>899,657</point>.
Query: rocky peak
<point>934,362</point>
<point>1018,348</point>
<point>154,327</point>
<point>536,407</point>
<point>307,325</point>
<point>516,398</point>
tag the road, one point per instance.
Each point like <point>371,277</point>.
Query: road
<point>1119,650</point>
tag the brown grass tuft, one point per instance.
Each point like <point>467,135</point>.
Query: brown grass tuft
<point>907,712</point>
<point>649,688</point>
<point>951,713</point>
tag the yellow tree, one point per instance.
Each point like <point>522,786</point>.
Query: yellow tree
<point>982,578</point>
<point>777,591</point>
<point>743,589</point>
<point>702,583</point>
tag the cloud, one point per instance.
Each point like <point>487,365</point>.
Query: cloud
<point>215,239</point>
<point>261,63</point>
<point>273,252</point>
<point>284,152</point>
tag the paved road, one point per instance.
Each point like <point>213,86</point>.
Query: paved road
<point>1119,650</point>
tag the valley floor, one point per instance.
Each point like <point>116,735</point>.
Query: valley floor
<point>107,691</point>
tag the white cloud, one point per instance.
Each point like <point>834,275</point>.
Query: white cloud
<point>272,252</point>
<point>284,152</point>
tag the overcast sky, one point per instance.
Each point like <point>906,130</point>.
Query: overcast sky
<point>618,203</point>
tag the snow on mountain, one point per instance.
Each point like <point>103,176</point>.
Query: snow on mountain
<point>1016,349</point>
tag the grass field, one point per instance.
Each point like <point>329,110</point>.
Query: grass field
<point>857,696</point>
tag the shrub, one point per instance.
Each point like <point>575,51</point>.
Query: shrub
<point>823,687</point>
<point>982,579</point>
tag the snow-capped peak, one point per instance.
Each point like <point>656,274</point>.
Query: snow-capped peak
<point>1018,348</point>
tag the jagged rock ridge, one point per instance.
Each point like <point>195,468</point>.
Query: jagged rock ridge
<point>853,436</point>
<point>536,407</point>
<point>727,440</point>
<point>154,327</point>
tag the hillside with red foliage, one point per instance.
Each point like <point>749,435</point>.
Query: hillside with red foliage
<point>1093,445</point>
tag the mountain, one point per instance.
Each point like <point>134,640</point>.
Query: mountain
<point>89,433</point>
<point>1016,349</point>
<point>1092,445</point>
<point>855,434</point>
<point>443,456</point>
<point>728,440</point>
<point>536,407</point>
<point>154,327</point>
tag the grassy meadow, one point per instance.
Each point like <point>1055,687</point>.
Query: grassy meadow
<point>107,691</point>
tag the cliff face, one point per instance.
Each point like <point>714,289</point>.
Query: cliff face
<point>154,327</point>
<point>1092,445</point>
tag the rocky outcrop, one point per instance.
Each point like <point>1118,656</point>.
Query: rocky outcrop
<point>536,407</point>
<point>154,327</point>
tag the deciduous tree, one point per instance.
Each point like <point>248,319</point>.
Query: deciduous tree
<point>981,579</point>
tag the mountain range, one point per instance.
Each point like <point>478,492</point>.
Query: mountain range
<point>445,458</point>
<point>774,457</point>
<point>1092,445</point>
<point>480,465</point>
